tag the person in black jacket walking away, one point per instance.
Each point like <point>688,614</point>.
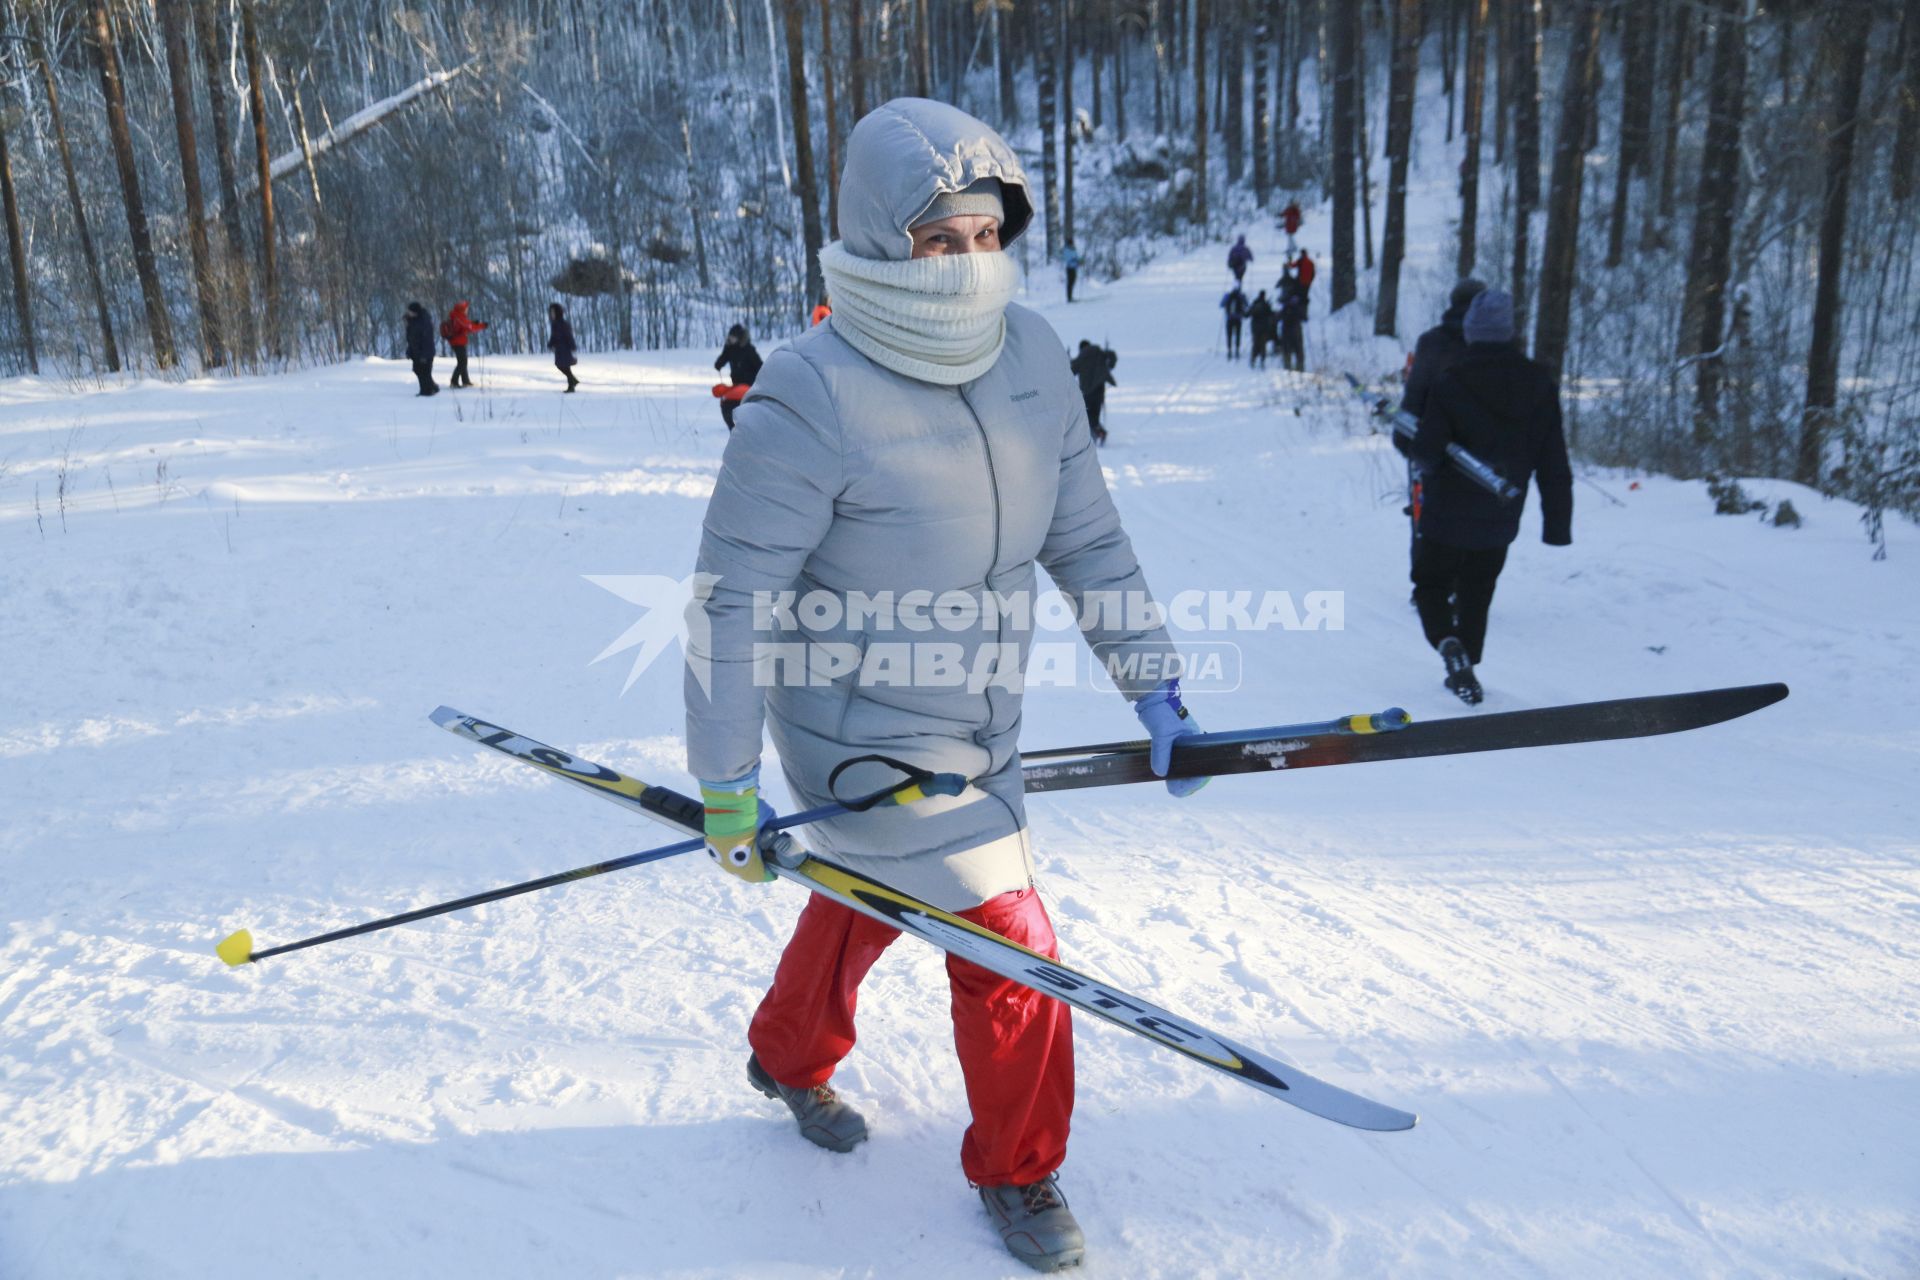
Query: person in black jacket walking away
<point>560,342</point>
<point>1504,409</point>
<point>1265,326</point>
<point>1293,321</point>
<point>1093,366</point>
<point>420,347</point>
<point>1437,351</point>
<point>743,366</point>
<point>1234,303</point>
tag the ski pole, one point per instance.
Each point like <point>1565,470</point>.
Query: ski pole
<point>237,948</point>
<point>1468,464</point>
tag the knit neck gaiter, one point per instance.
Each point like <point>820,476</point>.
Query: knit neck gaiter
<point>940,320</point>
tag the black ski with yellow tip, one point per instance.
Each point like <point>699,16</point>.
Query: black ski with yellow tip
<point>960,937</point>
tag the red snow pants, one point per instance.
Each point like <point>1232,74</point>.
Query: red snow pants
<point>1015,1045</point>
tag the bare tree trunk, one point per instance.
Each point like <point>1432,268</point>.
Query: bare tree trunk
<point>677,90</point>
<point>159,323</point>
<point>263,158</point>
<point>1197,54</point>
<point>208,35</point>
<point>17,254</point>
<point>1097,34</point>
<point>306,138</point>
<point>1563,201</point>
<point>1636,110</point>
<point>1844,50</point>
<point>1473,107</point>
<point>1680,20</point>
<point>922,50</point>
<point>1703,308</point>
<point>1526,152</point>
<point>1154,9</point>
<point>1232,56</point>
<point>1046,53</point>
<point>1068,125</point>
<point>1393,242</point>
<point>1118,92</point>
<point>1003,70</point>
<point>1262,130</point>
<point>1344,288</point>
<point>1907,131</point>
<point>833,121</point>
<point>857,62</point>
<point>213,64</point>
<point>1358,12</point>
<point>110,349</point>
<point>180,73</point>
<point>803,148</point>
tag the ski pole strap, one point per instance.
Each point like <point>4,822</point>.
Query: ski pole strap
<point>920,783</point>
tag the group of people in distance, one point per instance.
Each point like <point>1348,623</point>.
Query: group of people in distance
<point>1279,322</point>
<point>459,328</point>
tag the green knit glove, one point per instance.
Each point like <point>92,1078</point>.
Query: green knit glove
<point>732,822</point>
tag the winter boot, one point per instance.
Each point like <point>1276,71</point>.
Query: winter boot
<point>824,1120</point>
<point>1460,678</point>
<point>1035,1224</point>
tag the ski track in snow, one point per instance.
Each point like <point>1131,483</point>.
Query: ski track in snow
<point>1655,1001</point>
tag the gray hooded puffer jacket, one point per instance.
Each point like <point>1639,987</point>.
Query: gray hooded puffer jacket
<point>842,477</point>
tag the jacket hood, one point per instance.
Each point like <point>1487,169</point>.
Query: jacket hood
<point>907,151</point>
<point>460,309</point>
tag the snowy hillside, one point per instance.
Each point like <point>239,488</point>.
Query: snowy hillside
<point>1655,1001</point>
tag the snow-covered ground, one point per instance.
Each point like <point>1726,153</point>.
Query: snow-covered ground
<point>1655,1001</point>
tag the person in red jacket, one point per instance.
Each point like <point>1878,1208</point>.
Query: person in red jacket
<point>456,329</point>
<point>1305,264</point>
<point>1290,222</point>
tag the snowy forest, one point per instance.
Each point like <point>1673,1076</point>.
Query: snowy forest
<point>1705,209</point>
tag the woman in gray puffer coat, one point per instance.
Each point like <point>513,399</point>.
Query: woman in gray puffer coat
<point>922,449</point>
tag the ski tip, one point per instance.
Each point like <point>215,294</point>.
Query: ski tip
<point>237,949</point>
<point>444,716</point>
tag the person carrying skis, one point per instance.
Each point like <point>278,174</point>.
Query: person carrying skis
<point>560,342</point>
<point>1265,330</point>
<point>1070,259</point>
<point>1436,351</point>
<point>1504,409</point>
<point>457,328</point>
<point>1293,321</point>
<point>1095,371</point>
<point>1237,259</point>
<point>743,366</point>
<point>420,347</point>
<point>928,441</point>
<point>1234,303</point>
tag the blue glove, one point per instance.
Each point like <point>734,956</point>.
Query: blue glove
<point>1167,721</point>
